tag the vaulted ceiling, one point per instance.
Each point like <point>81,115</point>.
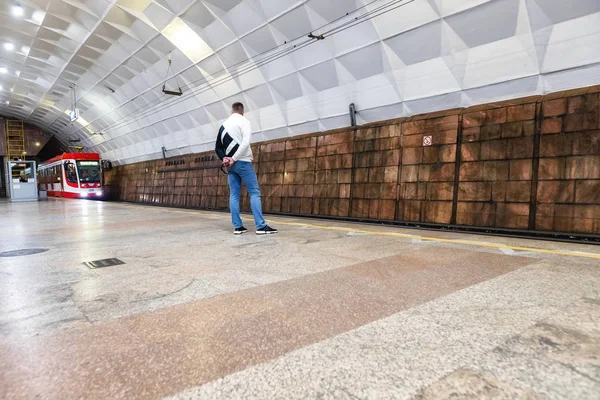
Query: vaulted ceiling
<point>390,57</point>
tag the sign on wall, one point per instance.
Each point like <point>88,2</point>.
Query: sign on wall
<point>427,140</point>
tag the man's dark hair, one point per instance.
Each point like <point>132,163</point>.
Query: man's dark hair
<point>237,107</point>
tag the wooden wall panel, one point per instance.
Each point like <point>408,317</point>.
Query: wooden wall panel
<point>427,174</point>
<point>271,163</point>
<point>299,175</point>
<point>333,173</point>
<point>495,178</point>
<point>374,190</point>
<point>568,191</point>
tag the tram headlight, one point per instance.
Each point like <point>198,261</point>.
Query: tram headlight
<point>99,193</point>
<point>83,194</point>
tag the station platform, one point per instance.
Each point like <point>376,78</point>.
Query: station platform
<point>184,309</point>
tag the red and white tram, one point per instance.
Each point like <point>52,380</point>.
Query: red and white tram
<point>72,175</point>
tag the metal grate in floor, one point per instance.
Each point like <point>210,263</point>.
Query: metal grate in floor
<point>107,262</point>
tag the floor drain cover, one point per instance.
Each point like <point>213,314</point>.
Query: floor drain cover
<point>107,262</point>
<point>22,252</point>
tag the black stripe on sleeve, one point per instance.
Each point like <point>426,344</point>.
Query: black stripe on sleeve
<point>233,151</point>
<point>226,139</point>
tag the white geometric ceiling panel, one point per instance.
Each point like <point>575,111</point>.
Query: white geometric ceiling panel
<point>260,96</point>
<point>321,76</point>
<point>576,39</point>
<point>223,5</point>
<point>301,110</point>
<point>309,55</point>
<point>411,16</point>
<point>389,57</point>
<point>362,35</point>
<point>246,78</point>
<point>355,61</point>
<point>333,9</point>
<point>486,23</point>
<point>217,110</point>
<point>293,24</point>
<point>259,40</point>
<point>242,18</point>
<point>211,66</point>
<point>159,16</point>
<point>198,15</point>
<point>418,45</point>
<point>232,55</point>
<point>449,7</point>
<point>175,6</point>
<point>273,8</point>
<point>272,117</point>
<point>217,34</point>
<point>376,91</point>
<point>559,11</point>
<point>427,79</point>
<point>511,61</point>
<point>288,86</point>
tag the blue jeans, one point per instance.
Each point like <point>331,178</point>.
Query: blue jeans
<point>244,171</point>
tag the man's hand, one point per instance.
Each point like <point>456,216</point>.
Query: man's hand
<point>228,162</point>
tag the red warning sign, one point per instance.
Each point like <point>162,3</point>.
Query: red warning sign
<point>427,140</point>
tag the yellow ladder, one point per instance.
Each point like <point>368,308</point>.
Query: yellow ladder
<point>15,140</point>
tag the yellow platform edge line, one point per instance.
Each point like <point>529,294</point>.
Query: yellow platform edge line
<point>407,236</point>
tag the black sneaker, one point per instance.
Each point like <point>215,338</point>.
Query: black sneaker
<point>239,231</point>
<point>266,230</point>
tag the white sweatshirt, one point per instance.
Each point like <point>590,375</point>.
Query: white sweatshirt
<point>239,129</point>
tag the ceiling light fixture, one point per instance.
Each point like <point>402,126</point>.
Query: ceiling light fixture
<point>7,102</point>
<point>17,10</point>
<point>3,70</point>
<point>38,16</point>
<point>25,49</point>
<point>8,46</point>
<point>171,92</point>
<point>0,87</point>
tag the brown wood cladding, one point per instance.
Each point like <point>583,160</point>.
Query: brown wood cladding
<point>382,171</point>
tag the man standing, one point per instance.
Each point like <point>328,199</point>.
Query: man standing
<point>233,148</point>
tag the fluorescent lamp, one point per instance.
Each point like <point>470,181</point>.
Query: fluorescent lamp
<point>38,16</point>
<point>17,10</point>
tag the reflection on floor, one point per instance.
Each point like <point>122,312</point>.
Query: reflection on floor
<point>322,310</point>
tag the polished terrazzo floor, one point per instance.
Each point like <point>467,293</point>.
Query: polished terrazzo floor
<point>324,310</point>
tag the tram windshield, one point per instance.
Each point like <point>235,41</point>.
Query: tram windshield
<point>89,171</point>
